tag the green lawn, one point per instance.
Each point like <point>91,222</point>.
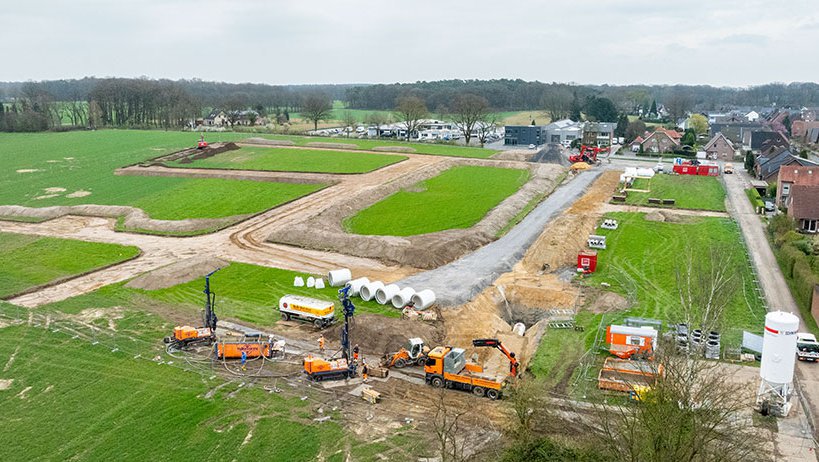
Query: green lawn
<point>295,160</point>
<point>30,261</point>
<point>80,395</point>
<point>689,191</point>
<point>640,264</point>
<point>457,198</point>
<point>368,144</point>
<point>85,161</point>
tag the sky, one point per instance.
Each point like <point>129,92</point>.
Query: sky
<point>713,42</point>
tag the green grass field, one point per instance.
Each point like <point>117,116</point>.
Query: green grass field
<point>295,160</point>
<point>368,144</point>
<point>640,264</point>
<point>689,192</point>
<point>85,162</point>
<point>78,394</point>
<point>457,198</point>
<point>30,261</point>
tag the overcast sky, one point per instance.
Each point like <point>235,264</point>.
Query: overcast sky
<point>722,42</point>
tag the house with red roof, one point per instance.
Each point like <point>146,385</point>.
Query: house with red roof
<point>662,140</point>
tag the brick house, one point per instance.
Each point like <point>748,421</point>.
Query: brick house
<point>803,206</point>
<point>791,175</point>
<point>719,146</point>
<point>662,140</point>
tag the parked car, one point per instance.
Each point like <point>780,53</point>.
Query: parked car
<point>532,146</point>
<point>769,206</point>
<point>729,168</point>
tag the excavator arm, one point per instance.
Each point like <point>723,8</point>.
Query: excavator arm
<point>495,343</point>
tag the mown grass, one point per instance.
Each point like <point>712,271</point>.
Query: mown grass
<point>689,191</point>
<point>640,264</point>
<point>83,395</point>
<point>369,144</point>
<point>457,198</point>
<point>30,261</point>
<point>85,161</point>
<point>295,160</point>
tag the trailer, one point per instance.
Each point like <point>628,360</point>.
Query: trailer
<point>626,375</point>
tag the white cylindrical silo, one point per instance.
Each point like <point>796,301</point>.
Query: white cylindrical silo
<point>423,299</point>
<point>779,347</point>
<point>339,277</point>
<point>384,294</point>
<point>356,285</point>
<point>368,290</point>
<point>400,299</point>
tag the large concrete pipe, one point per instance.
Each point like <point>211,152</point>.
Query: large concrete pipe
<point>519,328</point>
<point>385,294</point>
<point>339,277</point>
<point>423,299</point>
<point>368,290</point>
<point>356,285</point>
<point>403,297</point>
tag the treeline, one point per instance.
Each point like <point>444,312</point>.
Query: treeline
<point>511,95</point>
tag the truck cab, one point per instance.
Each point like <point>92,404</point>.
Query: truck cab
<point>447,367</point>
<point>807,348</point>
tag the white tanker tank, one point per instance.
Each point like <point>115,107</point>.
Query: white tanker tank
<point>778,360</point>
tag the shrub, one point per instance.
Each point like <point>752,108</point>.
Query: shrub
<point>804,280</point>
<point>780,224</point>
<point>788,256</point>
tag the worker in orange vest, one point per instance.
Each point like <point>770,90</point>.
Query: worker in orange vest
<point>321,343</point>
<point>355,353</point>
<point>364,371</point>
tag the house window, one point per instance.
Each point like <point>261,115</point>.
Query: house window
<point>635,340</point>
<point>809,226</point>
<point>786,189</point>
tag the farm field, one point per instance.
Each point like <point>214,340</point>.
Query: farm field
<point>523,117</point>
<point>640,264</point>
<point>369,144</point>
<point>457,198</point>
<point>104,384</point>
<point>294,160</point>
<point>689,191</point>
<point>339,111</point>
<point>74,168</point>
<point>31,261</point>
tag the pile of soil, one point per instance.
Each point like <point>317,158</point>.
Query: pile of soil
<point>551,154</point>
<point>604,301</point>
<point>269,142</point>
<point>406,149</point>
<point>319,144</point>
<point>377,335</point>
<point>177,273</point>
<point>209,151</point>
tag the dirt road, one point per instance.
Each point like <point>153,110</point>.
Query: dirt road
<point>777,294</point>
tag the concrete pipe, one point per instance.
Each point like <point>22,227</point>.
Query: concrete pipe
<point>402,297</point>
<point>311,281</point>
<point>355,286</point>
<point>368,290</point>
<point>519,328</point>
<point>319,283</point>
<point>385,294</point>
<point>339,277</point>
<point>423,299</point>
<point>298,281</point>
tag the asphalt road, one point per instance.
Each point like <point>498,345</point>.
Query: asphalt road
<point>777,294</point>
<point>460,281</point>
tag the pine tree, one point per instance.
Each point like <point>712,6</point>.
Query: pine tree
<point>653,109</point>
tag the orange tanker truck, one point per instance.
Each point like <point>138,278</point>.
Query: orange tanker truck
<point>447,367</point>
<point>252,348</point>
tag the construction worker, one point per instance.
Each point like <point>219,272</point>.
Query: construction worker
<point>321,343</point>
<point>355,353</point>
<point>244,361</point>
<point>364,371</point>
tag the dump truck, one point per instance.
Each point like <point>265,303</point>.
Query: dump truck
<point>415,352</point>
<point>321,313</point>
<point>447,367</point>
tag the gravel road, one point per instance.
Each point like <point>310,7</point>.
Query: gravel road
<point>461,280</point>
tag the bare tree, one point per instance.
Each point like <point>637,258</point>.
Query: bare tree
<point>316,107</point>
<point>350,121</point>
<point>467,111</point>
<point>696,411</point>
<point>706,284</point>
<point>411,110</point>
<point>678,104</point>
<point>447,423</point>
<point>558,102</point>
<point>487,126</point>
<point>377,119</point>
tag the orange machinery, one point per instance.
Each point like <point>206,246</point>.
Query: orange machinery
<point>587,154</point>
<point>447,367</point>
<point>336,368</point>
<point>414,353</point>
<point>186,335</point>
<point>233,349</point>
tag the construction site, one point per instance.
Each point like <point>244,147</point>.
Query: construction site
<point>382,335</point>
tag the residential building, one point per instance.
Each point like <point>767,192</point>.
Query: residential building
<point>801,128</point>
<point>524,135</point>
<point>803,207</point>
<point>662,140</point>
<point>216,118</point>
<point>758,140</point>
<point>635,145</point>
<point>794,175</point>
<point>767,167</point>
<point>733,130</point>
<point>598,133</point>
<point>719,147</point>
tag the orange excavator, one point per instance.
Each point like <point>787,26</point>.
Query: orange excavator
<point>447,367</point>
<point>184,336</point>
<point>414,353</point>
<point>587,154</point>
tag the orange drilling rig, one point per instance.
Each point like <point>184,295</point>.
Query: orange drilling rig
<point>447,367</point>
<point>318,369</point>
<point>184,336</point>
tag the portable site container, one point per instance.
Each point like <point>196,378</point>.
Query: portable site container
<point>708,170</point>
<point>587,261</point>
<point>625,341</point>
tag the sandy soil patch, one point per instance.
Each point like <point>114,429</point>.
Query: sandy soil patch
<point>318,144</point>
<point>406,149</point>
<point>80,193</point>
<point>377,335</point>
<point>68,158</point>
<point>29,170</point>
<point>55,189</point>
<point>53,161</point>
<point>45,196</point>
<point>269,142</point>
<point>177,273</point>
<point>324,230</point>
<point>5,384</point>
<point>23,394</point>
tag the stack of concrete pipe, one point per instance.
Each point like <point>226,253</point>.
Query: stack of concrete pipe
<point>369,289</point>
<point>355,286</point>
<point>402,297</point>
<point>384,294</point>
<point>339,277</point>
<point>380,292</point>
